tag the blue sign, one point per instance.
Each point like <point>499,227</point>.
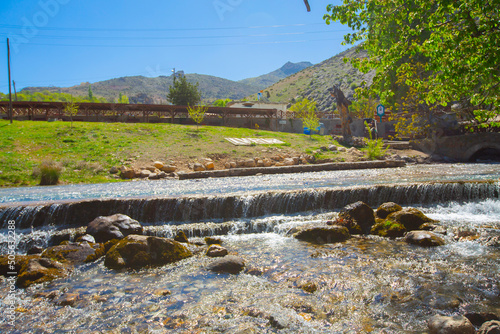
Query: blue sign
<point>380,110</point>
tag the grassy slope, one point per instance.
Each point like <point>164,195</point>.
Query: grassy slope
<point>88,150</point>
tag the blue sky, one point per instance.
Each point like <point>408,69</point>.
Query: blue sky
<point>67,42</point>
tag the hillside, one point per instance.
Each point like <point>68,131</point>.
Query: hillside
<point>142,89</point>
<point>268,79</point>
<point>314,82</point>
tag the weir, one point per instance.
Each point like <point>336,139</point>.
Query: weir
<point>198,208</point>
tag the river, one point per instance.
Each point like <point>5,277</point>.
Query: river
<point>365,284</point>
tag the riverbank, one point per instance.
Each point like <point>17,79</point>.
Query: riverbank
<point>86,152</point>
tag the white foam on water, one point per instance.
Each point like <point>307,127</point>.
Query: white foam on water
<point>473,213</point>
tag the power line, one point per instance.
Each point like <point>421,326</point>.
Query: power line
<point>12,26</point>
<point>184,37</point>
<point>178,45</point>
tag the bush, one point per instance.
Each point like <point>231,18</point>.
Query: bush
<point>49,172</point>
<point>375,149</point>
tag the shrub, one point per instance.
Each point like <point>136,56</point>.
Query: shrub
<point>49,172</point>
<point>375,147</point>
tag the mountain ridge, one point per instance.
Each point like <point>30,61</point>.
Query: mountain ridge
<point>266,80</point>
<point>141,89</point>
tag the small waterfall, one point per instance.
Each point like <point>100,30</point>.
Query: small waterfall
<point>192,209</point>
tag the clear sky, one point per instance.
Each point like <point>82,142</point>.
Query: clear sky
<point>67,42</point>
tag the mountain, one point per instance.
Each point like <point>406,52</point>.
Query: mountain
<point>268,79</point>
<point>142,89</point>
<point>314,81</point>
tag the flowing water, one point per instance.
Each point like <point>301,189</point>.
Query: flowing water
<point>363,285</point>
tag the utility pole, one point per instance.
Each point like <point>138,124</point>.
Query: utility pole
<point>173,71</point>
<point>10,89</point>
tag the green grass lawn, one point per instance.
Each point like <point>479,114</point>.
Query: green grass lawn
<point>88,150</point>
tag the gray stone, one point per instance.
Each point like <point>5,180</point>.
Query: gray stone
<point>490,327</point>
<point>230,264</point>
<point>424,239</point>
<point>479,318</point>
<point>168,169</point>
<point>359,213</point>
<point>87,237</point>
<point>216,251</point>
<point>75,252</point>
<point>332,148</point>
<point>144,174</point>
<point>118,226</point>
<point>114,170</point>
<point>68,299</point>
<point>197,167</point>
<point>439,324</point>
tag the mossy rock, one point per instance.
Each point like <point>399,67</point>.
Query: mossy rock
<point>109,244</point>
<point>138,251</point>
<point>6,265</point>
<point>323,234</point>
<point>351,225</point>
<point>411,218</point>
<point>181,237</point>
<point>309,287</point>
<point>75,252</point>
<point>386,209</point>
<point>213,241</point>
<point>40,270</point>
<point>387,228</point>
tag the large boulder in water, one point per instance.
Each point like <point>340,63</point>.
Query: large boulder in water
<point>424,238</point>
<point>386,209</point>
<point>74,252</point>
<point>138,251</point>
<point>411,218</point>
<point>439,324</point>
<point>116,226</point>
<point>322,234</point>
<point>359,214</point>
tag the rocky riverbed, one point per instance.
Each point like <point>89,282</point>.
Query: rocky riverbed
<point>277,281</point>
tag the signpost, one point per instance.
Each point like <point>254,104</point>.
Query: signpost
<point>380,111</point>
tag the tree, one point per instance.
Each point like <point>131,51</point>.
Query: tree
<point>91,95</point>
<point>439,51</point>
<point>221,102</point>
<point>71,109</point>
<point>197,114</point>
<point>306,110</point>
<point>183,93</point>
<point>364,107</point>
<point>122,98</point>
